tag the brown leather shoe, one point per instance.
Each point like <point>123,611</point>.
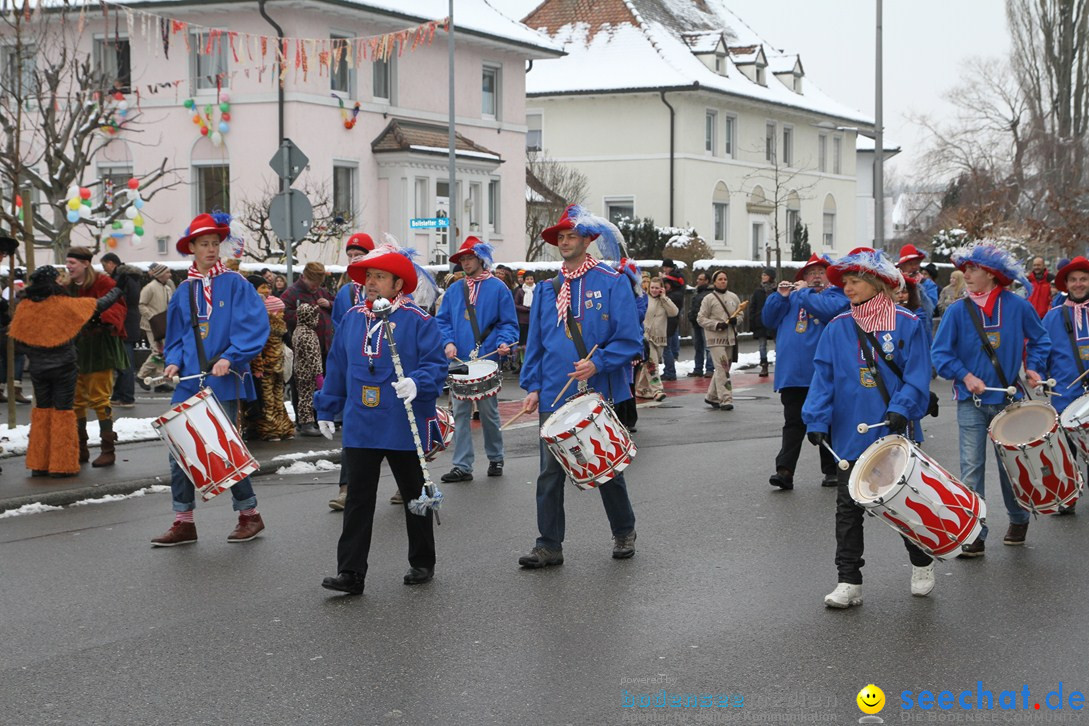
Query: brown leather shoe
<point>1015,535</point>
<point>180,533</point>
<point>247,529</point>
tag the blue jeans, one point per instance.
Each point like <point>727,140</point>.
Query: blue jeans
<point>124,390</point>
<point>672,353</point>
<point>550,486</point>
<point>183,492</point>
<point>763,350</point>
<point>463,432</point>
<point>973,423</point>
<point>703,353</point>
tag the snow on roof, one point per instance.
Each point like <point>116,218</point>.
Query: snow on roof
<point>866,143</point>
<point>783,62</point>
<point>743,55</point>
<point>703,42</point>
<point>616,54</point>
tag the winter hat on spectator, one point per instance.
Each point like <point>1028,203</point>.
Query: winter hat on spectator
<point>359,241</point>
<point>274,304</point>
<point>314,272</point>
<point>769,271</point>
<point>256,280</point>
<point>157,269</point>
<point>110,257</point>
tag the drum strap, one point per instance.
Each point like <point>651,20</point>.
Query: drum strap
<point>869,355</point>
<point>470,309</point>
<point>201,357</point>
<point>572,328</point>
<point>974,314</point>
<point>1068,321</point>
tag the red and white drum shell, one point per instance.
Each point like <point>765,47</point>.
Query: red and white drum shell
<point>897,482</point>
<point>205,444</point>
<point>445,424</point>
<point>588,440</point>
<point>482,381</point>
<point>1036,455</point>
<point>1075,421</point>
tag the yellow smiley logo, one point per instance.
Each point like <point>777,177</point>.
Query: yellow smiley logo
<point>871,699</point>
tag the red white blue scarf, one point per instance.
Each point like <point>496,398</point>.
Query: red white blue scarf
<point>877,313</point>
<point>473,284</point>
<point>563,299</point>
<point>206,283</point>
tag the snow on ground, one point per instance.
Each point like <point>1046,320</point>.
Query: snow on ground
<point>745,360</point>
<point>308,467</point>
<point>154,489</point>
<point>298,455</point>
<point>34,508</point>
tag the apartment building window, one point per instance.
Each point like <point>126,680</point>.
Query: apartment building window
<point>534,135</point>
<point>619,208</point>
<point>829,232</point>
<point>344,192</point>
<point>720,63</point>
<point>209,65</point>
<point>769,143</point>
<point>113,64</point>
<point>383,80</point>
<point>15,65</point>
<point>489,105</point>
<point>720,213</point>
<point>422,201</point>
<point>493,205</point>
<point>788,146</point>
<point>729,139</point>
<point>709,125</point>
<point>837,148</point>
<point>793,219</point>
<point>822,153</point>
<point>341,76</point>
<point>213,188</point>
<point>115,181</point>
<point>761,75</point>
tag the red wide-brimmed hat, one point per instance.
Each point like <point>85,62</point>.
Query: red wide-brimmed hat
<point>567,221</point>
<point>909,253</point>
<point>390,259</point>
<point>466,249</point>
<point>814,259</point>
<point>202,224</point>
<point>360,241</point>
<point>869,261</point>
<point>1076,264</point>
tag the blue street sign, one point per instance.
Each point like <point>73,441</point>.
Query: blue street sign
<point>429,223</point>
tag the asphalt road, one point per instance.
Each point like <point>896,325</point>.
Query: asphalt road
<point>724,597</point>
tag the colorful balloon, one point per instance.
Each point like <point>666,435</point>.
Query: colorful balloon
<point>73,204</point>
<point>134,183</point>
<point>224,127</point>
<point>85,192</point>
<point>73,216</point>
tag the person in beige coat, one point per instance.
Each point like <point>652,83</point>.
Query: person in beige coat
<point>659,308</point>
<point>719,315</point>
<point>153,301</point>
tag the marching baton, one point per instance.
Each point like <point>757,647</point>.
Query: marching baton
<point>149,380</point>
<point>1009,391</point>
<point>843,465</point>
<point>572,380</point>
<point>1077,379</point>
<point>514,418</point>
<point>864,427</point>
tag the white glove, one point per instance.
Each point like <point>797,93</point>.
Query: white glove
<point>327,428</point>
<point>406,389</point>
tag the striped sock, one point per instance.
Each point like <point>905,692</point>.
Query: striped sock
<point>251,512</point>
<point>184,516</point>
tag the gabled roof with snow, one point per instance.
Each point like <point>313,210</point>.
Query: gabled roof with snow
<point>423,137</point>
<point>747,54</point>
<point>617,46</point>
<point>706,41</point>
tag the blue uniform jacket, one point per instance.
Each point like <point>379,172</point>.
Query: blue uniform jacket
<point>957,350</point>
<point>1061,363</point>
<point>606,315</point>
<point>797,331</point>
<point>494,309</point>
<point>237,330</point>
<point>843,394</point>
<point>374,418</point>
<point>824,305</point>
<point>343,302</point>
<point>931,289</point>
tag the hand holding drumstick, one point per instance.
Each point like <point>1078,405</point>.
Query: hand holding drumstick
<point>584,371</point>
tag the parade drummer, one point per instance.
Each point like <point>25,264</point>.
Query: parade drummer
<point>981,342</point>
<point>229,328</point>
<point>477,316</point>
<point>360,381</point>
<point>870,365</point>
<point>797,331</point>
<point>588,304</point>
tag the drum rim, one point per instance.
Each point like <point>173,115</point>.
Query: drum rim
<point>589,396</point>
<point>854,483</point>
<point>1014,408</point>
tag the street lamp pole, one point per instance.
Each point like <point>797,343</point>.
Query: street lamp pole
<point>879,142</point>
<point>452,187</point>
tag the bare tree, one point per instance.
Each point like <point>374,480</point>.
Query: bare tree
<point>263,245</point>
<point>782,180</point>
<point>552,187</point>
<point>55,110</point>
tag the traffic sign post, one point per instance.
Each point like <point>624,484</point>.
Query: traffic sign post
<point>290,212</point>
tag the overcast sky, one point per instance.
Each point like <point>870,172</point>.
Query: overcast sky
<point>925,44</point>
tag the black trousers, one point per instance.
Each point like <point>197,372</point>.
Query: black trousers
<point>626,411</point>
<point>55,388</point>
<point>849,540</point>
<point>793,397</point>
<point>364,467</point>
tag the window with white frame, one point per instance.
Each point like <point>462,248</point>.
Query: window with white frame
<point>720,63</point>
<point>729,137</point>
<point>710,124</point>
<point>19,67</point>
<point>837,148</point>
<point>534,134</point>
<point>769,142</point>
<point>788,146</point>
<point>382,72</point>
<point>822,153</point>
<point>489,87</point>
<point>341,74</point>
<point>115,179</point>
<point>423,199</point>
<point>618,208</point>
<point>797,82</point>
<point>213,191</point>
<point>829,231</point>
<point>209,62</point>
<point>344,192</point>
<point>493,205</point>
<point>761,75</point>
<point>112,59</point>
<point>472,207</point>
<point>720,213</point>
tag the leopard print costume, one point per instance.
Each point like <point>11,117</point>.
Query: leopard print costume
<point>274,423</point>
<point>308,363</point>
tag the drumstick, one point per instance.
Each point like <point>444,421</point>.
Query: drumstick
<point>1077,379</point>
<point>843,465</point>
<point>514,418</point>
<point>1050,382</point>
<point>572,380</point>
<point>864,427</point>
<point>1010,391</point>
<point>149,380</point>
<point>489,355</point>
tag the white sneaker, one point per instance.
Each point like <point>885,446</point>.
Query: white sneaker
<point>922,580</point>
<point>844,596</point>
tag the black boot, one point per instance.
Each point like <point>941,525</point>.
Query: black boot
<point>349,582</point>
<point>84,452</point>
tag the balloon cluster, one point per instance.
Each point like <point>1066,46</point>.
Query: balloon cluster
<point>19,207</point>
<point>205,118</point>
<point>117,115</point>
<point>79,204</point>
<point>134,220</point>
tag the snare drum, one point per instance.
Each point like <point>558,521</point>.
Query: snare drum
<point>205,444</point>
<point>899,483</point>
<point>1037,457</point>
<point>440,433</point>
<point>1075,421</point>
<point>588,440</point>
<point>482,381</point>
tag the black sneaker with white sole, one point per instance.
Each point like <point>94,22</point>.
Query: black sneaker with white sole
<point>457,474</point>
<point>495,468</point>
